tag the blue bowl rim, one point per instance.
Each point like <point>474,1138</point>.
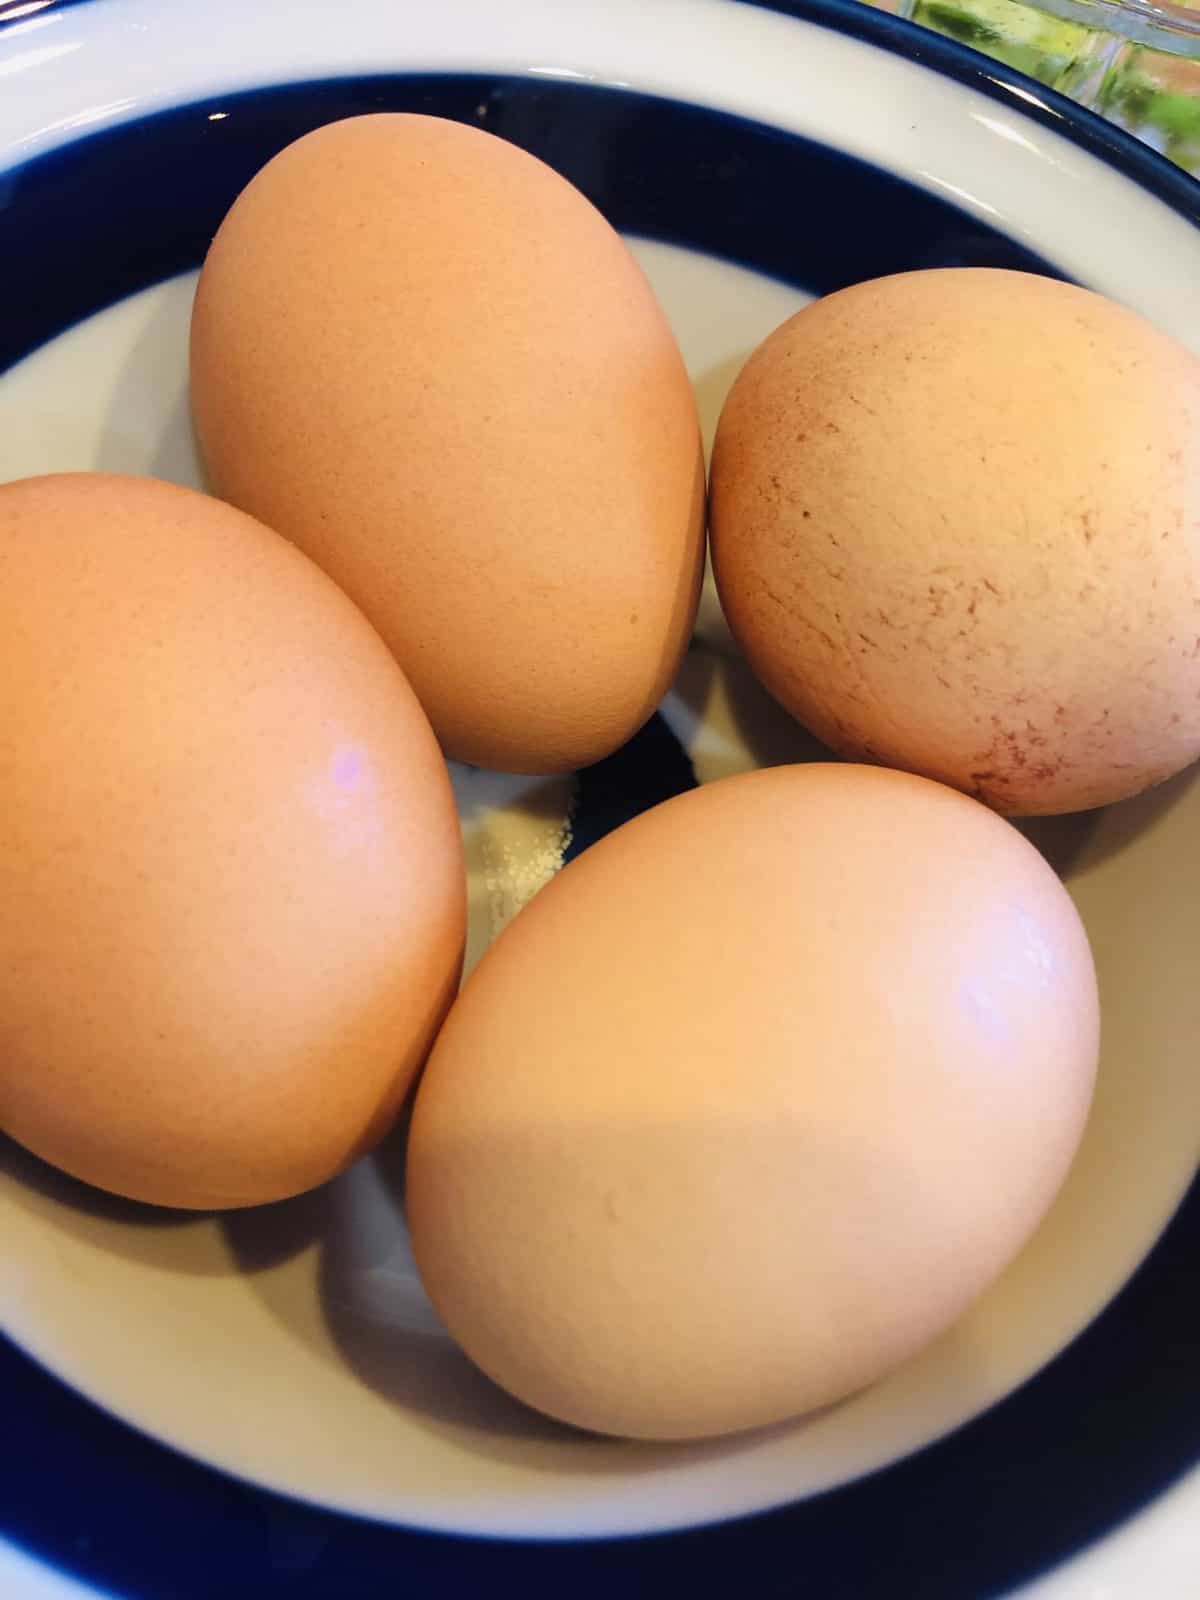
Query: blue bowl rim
<point>766,1532</point>
<point>948,58</point>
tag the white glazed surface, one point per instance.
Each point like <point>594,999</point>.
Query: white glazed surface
<point>317,1298</point>
<point>89,66</point>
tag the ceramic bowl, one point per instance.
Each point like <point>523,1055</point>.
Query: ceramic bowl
<point>264,1403</point>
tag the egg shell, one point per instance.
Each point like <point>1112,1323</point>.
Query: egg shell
<point>425,357</point>
<point>230,862</point>
<point>752,1101</point>
<point>956,529</point>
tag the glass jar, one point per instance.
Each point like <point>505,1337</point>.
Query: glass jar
<point>1136,64</point>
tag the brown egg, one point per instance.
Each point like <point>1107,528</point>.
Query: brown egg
<point>956,528</point>
<point>230,862</point>
<point>426,358</point>
<point>751,1101</point>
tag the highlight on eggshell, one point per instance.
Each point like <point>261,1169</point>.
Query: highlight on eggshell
<point>230,862</point>
<point>752,1101</point>
<point>955,528</point>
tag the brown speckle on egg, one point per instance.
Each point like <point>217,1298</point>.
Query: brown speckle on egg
<point>1019,509</point>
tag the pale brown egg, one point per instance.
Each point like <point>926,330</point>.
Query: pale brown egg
<point>424,356</point>
<point>752,1101</point>
<point>230,862</point>
<point>956,528</point>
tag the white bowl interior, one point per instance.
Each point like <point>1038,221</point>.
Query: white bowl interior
<point>293,1345</point>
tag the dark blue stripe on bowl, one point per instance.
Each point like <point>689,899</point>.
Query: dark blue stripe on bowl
<point>141,201</point>
<point>653,766</point>
<point>1087,1441</point>
<point>949,59</point>
<point>13,12</point>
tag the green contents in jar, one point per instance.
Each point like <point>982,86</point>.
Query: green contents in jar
<point>1042,46</point>
<point>1152,93</point>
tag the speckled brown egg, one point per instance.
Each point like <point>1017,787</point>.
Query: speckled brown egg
<point>230,862</point>
<point>956,529</point>
<point>424,356</point>
<point>751,1101</point>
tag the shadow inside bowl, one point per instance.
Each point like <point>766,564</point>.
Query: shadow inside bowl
<point>1078,841</point>
<point>148,425</point>
<point>373,1310</point>
<point>183,1241</point>
<point>177,1241</point>
<point>719,693</point>
<point>380,1323</point>
<point>711,387</point>
<point>729,722</point>
<point>37,1180</point>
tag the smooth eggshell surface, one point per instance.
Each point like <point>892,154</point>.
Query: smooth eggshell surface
<point>751,1101</point>
<point>956,529</point>
<point>230,862</point>
<point>425,357</point>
